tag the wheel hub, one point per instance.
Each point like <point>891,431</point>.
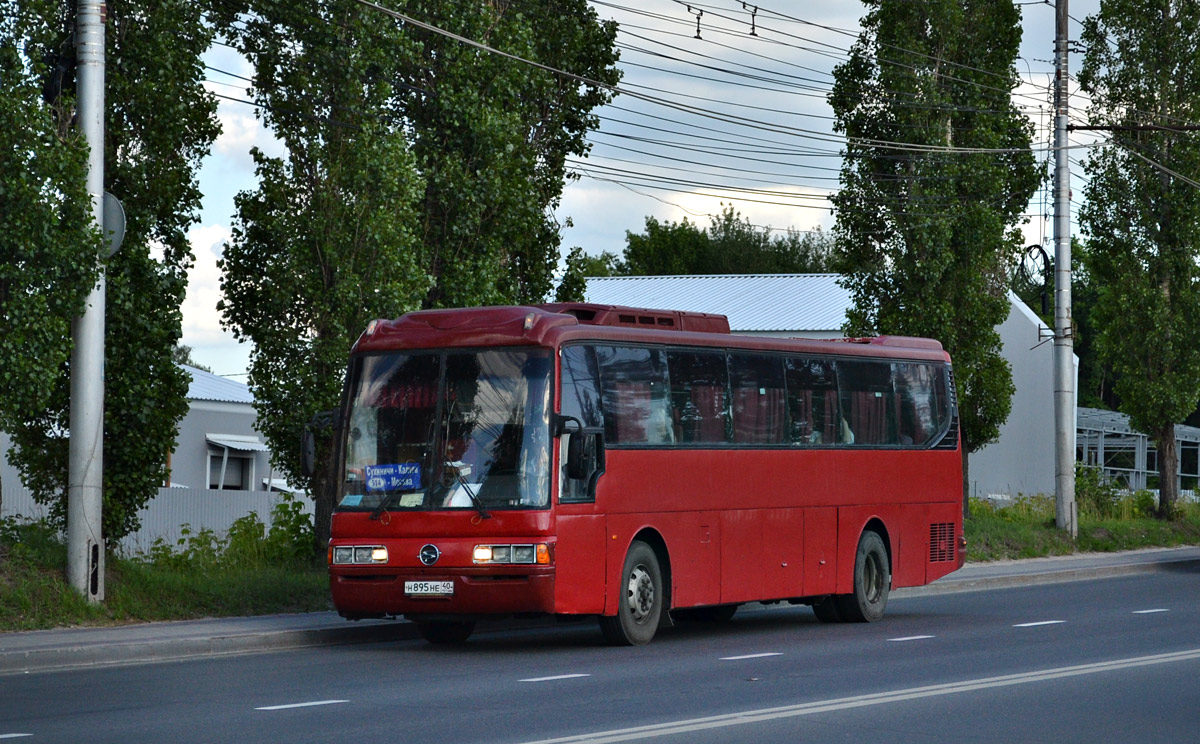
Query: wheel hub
<point>640,594</point>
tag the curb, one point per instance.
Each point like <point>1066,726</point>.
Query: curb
<point>85,655</point>
<point>65,655</point>
<point>953,586</point>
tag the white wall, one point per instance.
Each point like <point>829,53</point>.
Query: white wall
<point>1021,461</point>
<point>165,514</point>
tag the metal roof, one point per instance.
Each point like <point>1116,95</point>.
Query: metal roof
<point>207,386</point>
<point>237,442</point>
<point>752,302</point>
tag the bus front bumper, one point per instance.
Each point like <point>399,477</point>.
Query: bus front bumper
<point>457,591</point>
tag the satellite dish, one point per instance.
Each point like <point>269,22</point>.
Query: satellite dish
<point>114,222</point>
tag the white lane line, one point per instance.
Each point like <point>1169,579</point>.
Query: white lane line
<point>302,705</point>
<point>555,677</point>
<point>750,656</point>
<point>761,715</point>
<point>909,638</point>
<point>1150,612</point>
<point>1041,622</point>
<point>13,736</point>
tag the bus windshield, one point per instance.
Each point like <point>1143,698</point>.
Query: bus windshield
<point>449,430</point>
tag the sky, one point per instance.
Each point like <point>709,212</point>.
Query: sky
<point>729,118</point>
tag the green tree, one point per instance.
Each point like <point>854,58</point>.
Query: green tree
<point>1142,67</point>
<point>328,240</point>
<point>157,135</point>
<point>491,136</point>
<point>49,253</point>
<point>936,174</point>
<point>182,354</point>
<point>421,172</point>
<point>730,245</point>
<point>580,266</point>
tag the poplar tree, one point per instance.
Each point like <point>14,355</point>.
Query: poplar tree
<point>1142,214</point>
<point>159,123</point>
<point>937,171</point>
<point>421,171</point>
<point>49,254</point>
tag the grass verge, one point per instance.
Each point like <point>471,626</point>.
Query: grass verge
<point>203,577</point>
<point>1027,529</point>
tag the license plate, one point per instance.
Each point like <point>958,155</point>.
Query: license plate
<point>429,588</point>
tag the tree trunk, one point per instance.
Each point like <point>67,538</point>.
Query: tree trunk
<point>1168,467</point>
<point>323,486</point>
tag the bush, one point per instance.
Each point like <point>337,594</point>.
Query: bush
<point>248,542</point>
<point>1095,496</point>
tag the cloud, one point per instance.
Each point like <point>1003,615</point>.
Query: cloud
<point>201,323</point>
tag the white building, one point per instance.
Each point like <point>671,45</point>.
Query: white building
<point>220,469</point>
<point>814,306</point>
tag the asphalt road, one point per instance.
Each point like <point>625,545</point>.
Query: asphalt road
<point>1107,660</point>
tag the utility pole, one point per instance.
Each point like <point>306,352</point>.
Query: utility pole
<point>85,475</point>
<point>1064,367</point>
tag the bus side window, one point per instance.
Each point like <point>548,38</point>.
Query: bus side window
<point>868,402</point>
<point>756,384</point>
<point>581,401</point>
<point>699,399</point>
<point>920,392</point>
<point>581,386</point>
<point>812,401</point>
<point>633,383</point>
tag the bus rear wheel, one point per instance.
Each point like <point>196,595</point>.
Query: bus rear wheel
<point>827,610</point>
<point>640,605</point>
<point>445,632</point>
<point>872,582</point>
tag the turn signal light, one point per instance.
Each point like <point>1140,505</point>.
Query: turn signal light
<point>493,554</point>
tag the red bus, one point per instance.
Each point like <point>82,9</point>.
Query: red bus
<point>635,465</point>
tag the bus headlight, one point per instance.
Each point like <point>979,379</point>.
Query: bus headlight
<point>492,554</point>
<point>344,555</point>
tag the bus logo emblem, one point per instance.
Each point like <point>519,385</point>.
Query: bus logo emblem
<point>429,554</point>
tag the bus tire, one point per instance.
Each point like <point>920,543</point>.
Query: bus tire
<point>446,632</point>
<point>872,582</point>
<point>640,603</point>
<point>827,610</point>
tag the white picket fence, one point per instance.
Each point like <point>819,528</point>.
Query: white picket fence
<point>167,513</point>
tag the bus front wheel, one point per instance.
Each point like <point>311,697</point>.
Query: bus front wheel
<point>641,600</point>
<point>872,582</point>
<point>443,632</point>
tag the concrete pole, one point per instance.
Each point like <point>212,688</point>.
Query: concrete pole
<point>85,474</point>
<point>1064,367</point>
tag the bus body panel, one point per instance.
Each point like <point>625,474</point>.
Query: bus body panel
<point>579,561</point>
<point>762,554</point>
<point>820,550</point>
<point>364,590</point>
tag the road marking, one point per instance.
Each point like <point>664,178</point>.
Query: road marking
<point>909,638</point>
<point>761,715</point>
<point>1149,612</point>
<point>1041,622</point>
<point>750,656</point>
<point>13,736</point>
<point>557,676</point>
<point>302,705</point>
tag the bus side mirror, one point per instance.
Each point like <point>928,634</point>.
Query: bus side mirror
<point>585,453</point>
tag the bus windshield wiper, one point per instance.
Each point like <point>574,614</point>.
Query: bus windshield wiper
<point>458,471</point>
<point>387,500</point>
<point>483,513</point>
